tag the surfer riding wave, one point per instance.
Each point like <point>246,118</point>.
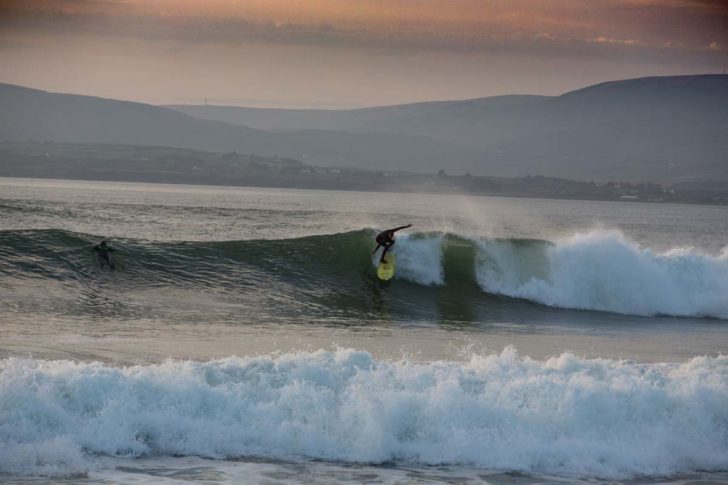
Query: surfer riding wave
<point>385,239</point>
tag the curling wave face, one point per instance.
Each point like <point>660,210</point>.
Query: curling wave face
<point>605,271</point>
<point>564,416</point>
<point>599,270</point>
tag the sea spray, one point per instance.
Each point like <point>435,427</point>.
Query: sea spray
<point>603,270</point>
<point>565,415</point>
<point>419,259</point>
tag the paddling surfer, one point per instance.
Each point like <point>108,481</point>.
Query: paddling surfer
<point>103,253</point>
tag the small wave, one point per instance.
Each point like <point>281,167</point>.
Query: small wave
<point>563,416</point>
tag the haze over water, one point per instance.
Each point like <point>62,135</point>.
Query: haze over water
<point>496,348</point>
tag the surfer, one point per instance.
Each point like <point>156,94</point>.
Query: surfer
<point>385,239</point>
<point>103,251</point>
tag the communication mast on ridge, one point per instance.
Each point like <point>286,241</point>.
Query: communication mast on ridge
<point>205,101</point>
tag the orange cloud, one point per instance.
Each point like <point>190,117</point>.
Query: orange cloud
<point>424,24</point>
<point>351,51</point>
<point>561,18</point>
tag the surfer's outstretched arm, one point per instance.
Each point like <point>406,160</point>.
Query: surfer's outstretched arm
<point>400,227</point>
<point>378,246</point>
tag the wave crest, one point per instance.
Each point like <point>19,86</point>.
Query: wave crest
<point>605,271</point>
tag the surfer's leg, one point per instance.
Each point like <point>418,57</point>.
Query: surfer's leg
<point>386,245</point>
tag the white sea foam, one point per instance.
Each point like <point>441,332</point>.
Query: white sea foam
<point>565,415</point>
<point>602,270</point>
<point>419,259</point>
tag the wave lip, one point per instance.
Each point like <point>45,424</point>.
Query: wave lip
<point>604,271</point>
<point>563,416</point>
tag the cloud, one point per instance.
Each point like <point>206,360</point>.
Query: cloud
<point>624,42</point>
<point>714,46</point>
<point>665,31</point>
<point>237,30</point>
<point>349,51</point>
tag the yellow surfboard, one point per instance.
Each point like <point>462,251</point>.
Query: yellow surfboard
<point>385,270</point>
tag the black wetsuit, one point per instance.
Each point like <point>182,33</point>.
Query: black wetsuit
<point>102,253</point>
<point>386,240</point>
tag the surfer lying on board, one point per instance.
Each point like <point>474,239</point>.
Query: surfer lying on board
<point>385,239</point>
<point>103,251</point>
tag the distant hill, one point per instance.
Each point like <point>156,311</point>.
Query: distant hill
<point>133,163</point>
<point>663,129</point>
<point>34,115</point>
<point>341,120</point>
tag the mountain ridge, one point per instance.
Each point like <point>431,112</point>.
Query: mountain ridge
<point>659,129</point>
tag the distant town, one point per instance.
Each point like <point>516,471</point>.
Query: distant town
<point>184,166</point>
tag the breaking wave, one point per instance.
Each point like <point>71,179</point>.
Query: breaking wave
<point>604,271</point>
<point>600,270</point>
<point>565,415</point>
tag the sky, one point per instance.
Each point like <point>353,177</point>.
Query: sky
<point>350,53</point>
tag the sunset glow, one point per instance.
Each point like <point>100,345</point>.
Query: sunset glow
<point>490,44</point>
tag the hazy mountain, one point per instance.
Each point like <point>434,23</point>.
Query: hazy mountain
<point>347,120</point>
<point>29,114</point>
<point>661,128</point>
<point>666,129</point>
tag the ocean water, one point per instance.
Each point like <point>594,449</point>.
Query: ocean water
<point>244,337</point>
